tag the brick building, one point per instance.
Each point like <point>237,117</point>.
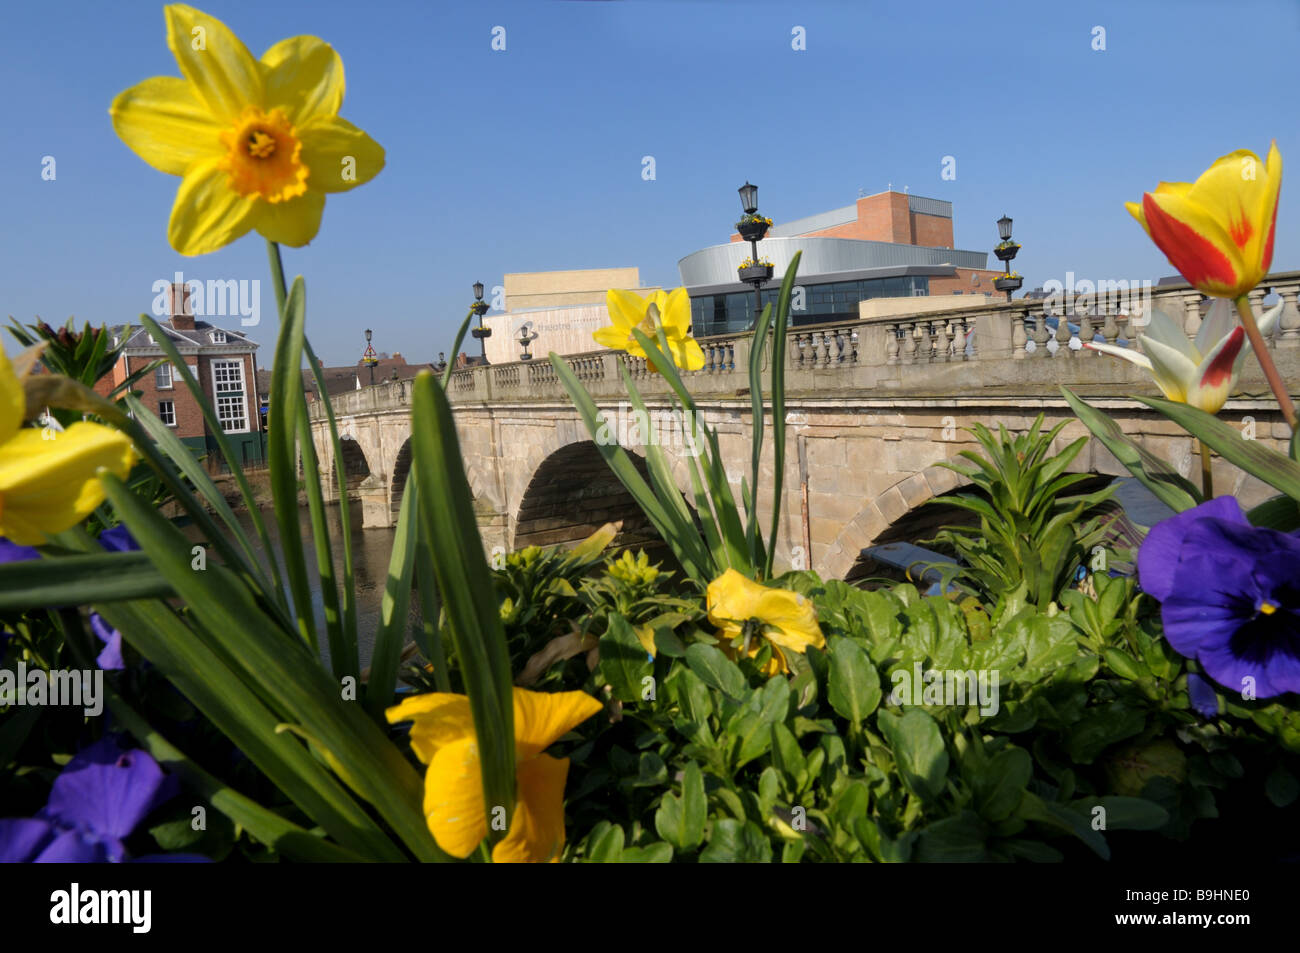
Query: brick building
<point>222,360</point>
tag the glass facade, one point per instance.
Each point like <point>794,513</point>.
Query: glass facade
<point>832,301</point>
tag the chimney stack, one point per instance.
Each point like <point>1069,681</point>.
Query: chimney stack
<point>182,312</point>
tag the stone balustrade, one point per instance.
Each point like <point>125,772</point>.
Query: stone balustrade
<point>903,354</point>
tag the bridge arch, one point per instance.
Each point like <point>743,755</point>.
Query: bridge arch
<point>901,514</point>
<point>356,466</point>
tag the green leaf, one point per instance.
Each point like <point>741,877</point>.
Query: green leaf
<point>286,395</point>
<point>656,853</point>
<point>1276,469</point>
<point>716,670</point>
<point>680,820</point>
<point>74,580</point>
<point>394,608</point>
<point>465,583</point>
<point>1281,787</point>
<point>918,750</point>
<point>623,660</point>
<point>1125,813</point>
<point>778,402</point>
<point>607,847</point>
<point>1168,485</point>
<point>737,842</point>
<point>1000,784</point>
<point>854,682</point>
<point>958,840</point>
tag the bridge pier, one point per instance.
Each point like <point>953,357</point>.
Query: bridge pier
<point>376,502</point>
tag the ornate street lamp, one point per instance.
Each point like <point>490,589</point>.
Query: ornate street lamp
<point>480,308</point>
<point>442,362</point>
<point>752,227</point>
<point>369,358</point>
<point>526,337</point>
<point>1005,251</point>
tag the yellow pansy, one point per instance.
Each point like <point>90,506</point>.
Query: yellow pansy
<point>442,737</point>
<point>1218,230</point>
<point>742,608</point>
<point>669,310</point>
<point>48,479</point>
<point>257,143</point>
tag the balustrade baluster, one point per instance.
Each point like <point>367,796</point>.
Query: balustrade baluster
<point>891,343</point>
<point>910,337</point>
<point>1019,334</point>
<point>1085,332</point>
<point>1040,335</point>
<point>1289,321</point>
<point>1063,337</point>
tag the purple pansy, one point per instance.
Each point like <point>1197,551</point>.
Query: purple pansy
<point>1229,595</point>
<point>11,552</point>
<point>95,803</point>
<point>118,539</point>
<point>1203,697</point>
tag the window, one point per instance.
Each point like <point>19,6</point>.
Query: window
<point>167,412</point>
<point>218,337</point>
<point>162,377</point>
<point>228,386</point>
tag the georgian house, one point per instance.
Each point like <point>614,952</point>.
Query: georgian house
<point>222,360</point>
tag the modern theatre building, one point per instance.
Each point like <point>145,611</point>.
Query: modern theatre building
<point>887,245</point>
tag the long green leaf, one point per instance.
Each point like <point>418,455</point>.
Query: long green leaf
<point>285,674</point>
<point>455,349</point>
<point>778,405</point>
<point>286,394</point>
<point>227,452</point>
<point>73,580</point>
<point>395,606</point>
<point>430,636</point>
<point>349,587</point>
<point>1168,486</point>
<point>465,584</point>
<point>1276,469</point>
<point>344,660</point>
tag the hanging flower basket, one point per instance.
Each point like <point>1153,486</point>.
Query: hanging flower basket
<point>752,231</point>
<point>1006,251</point>
<point>756,273</point>
<point>1008,284</point>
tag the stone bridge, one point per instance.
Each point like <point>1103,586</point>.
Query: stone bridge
<point>871,407</point>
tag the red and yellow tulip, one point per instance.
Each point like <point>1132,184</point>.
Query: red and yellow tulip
<point>1218,230</point>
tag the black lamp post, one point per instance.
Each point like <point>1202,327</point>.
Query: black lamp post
<point>1005,251</point>
<point>370,360</point>
<point>480,308</point>
<point>752,230</point>
<point>526,337</point>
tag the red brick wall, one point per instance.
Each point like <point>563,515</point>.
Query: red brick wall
<point>189,418</point>
<point>933,231</point>
<point>962,282</point>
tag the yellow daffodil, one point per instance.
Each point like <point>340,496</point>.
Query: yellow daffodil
<point>258,143</point>
<point>47,476</point>
<point>1218,230</point>
<point>742,608</point>
<point>669,310</point>
<point>443,738</point>
<point>1202,372</point>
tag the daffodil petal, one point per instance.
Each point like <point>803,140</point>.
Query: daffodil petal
<point>536,832</point>
<point>207,213</point>
<point>339,155</point>
<point>687,354</point>
<point>626,308</point>
<point>215,60</point>
<point>293,223</point>
<point>675,312</point>
<point>165,123</point>
<point>439,719</point>
<point>791,620</point>
<point>543,717</point>
<point>13,404</point>
<point>453,798</point>
<point>732,597</point>
<point>303,76</point>
<point>49,485</point>
<point>610,337</point>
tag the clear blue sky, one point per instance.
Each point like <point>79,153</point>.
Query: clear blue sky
<point>530,159</point>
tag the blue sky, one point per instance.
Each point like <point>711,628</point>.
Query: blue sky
<point>531,159</point>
